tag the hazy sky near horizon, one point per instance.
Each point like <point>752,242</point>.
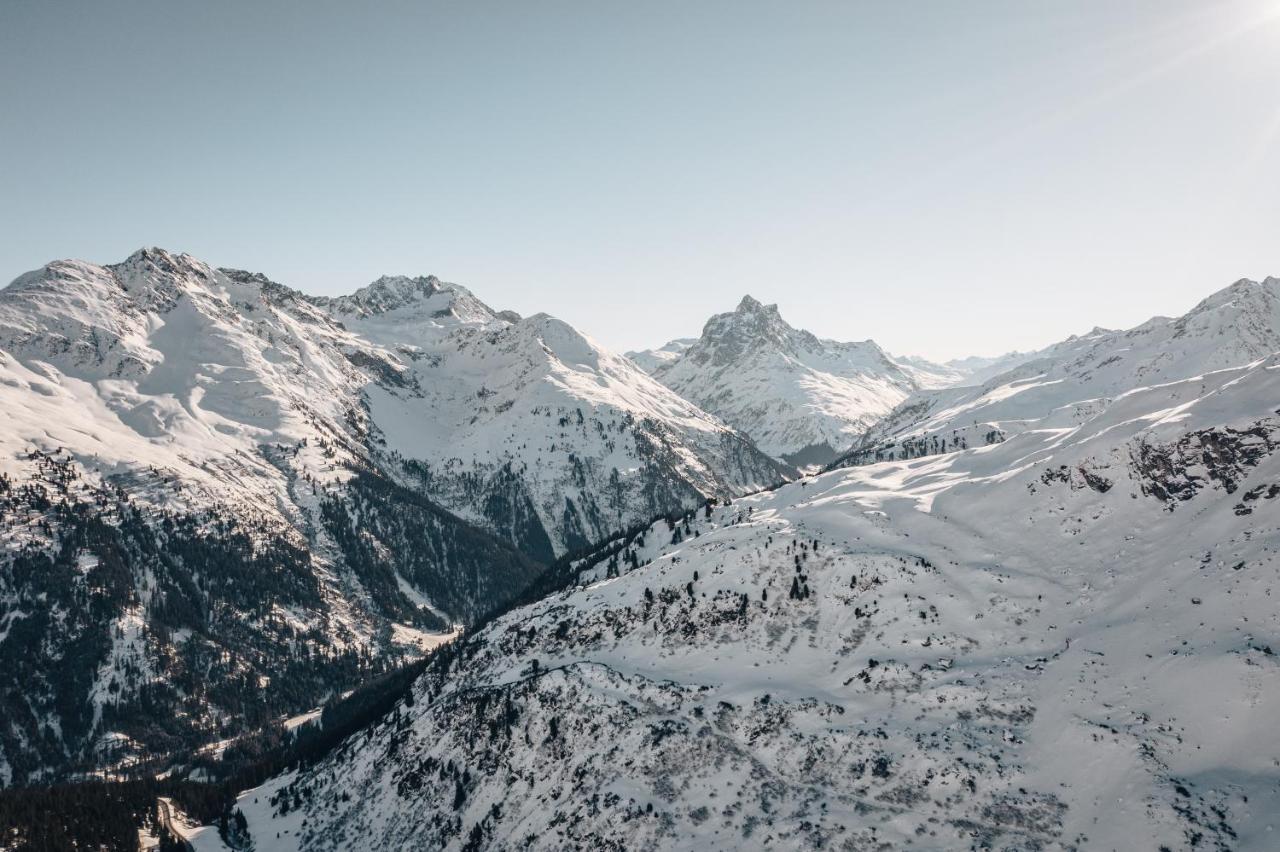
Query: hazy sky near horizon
<point>946,178</point>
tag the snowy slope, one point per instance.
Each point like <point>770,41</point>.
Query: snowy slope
<point>651,359</point>
<point>368,467</point>
<point>1060,386</point>
<point>181,456</point>
<point>164,362</point>
<point>976,369</point>
<point>192,368</point>
<point>530,428</point>
<point>578,438</point>
<point>800,398</point>
<point>1062,641</point>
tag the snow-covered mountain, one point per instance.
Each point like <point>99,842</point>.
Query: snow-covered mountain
<point>651,359</point>
<point>206,471</point>
<point>1031,614</point>
<point>930,374</point>
<point>559,429</point>
<point>800,398</point>
<point>1065,640</point>
<point>976,369</point>
<point>1068,382</point>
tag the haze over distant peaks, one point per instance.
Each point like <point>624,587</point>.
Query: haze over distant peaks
<point>1067,382</point>
<point>799,397</point>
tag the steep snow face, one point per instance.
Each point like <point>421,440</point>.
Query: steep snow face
<point>570,435</point>
<point>164,362</point>
<point>399,459</point>
<point>399,311</point>
<point>800,398</point>
<point>1063,641</point>
<point>1064,384</point>
<point>195,369</point>
<point>182,455</point>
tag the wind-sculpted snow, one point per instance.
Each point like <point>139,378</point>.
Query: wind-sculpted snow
<point>1065,640</point>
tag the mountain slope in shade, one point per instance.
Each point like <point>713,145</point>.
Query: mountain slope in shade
<point>1061,641</point>
<point>800,398</point>
<point>1064,384</point>
<point>207,472</point>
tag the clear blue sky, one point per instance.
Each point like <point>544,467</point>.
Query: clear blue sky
<point>948,178</point>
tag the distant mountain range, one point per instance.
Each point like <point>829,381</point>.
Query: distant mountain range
<point>1067,383</point>
<point>1027,603</point>
<point>651,359</point>
<point>416,456</point>
<point>1039,617</point>
<point>800,398</point>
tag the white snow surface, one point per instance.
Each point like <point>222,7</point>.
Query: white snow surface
<point>651,359</point>
<point>1066,383</point>
<point>166,368</point>
<point>219,395</point>
<point>1063,636</point>
<point>1066,640</point>
<point>800,398</point>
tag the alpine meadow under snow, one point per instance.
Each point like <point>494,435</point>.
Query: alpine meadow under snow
<point>552,597</point>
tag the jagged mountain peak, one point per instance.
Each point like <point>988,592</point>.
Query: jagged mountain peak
<point>147,270</point>
<point>754,324</point>
<point>1243,286</point>
<point>800,397</point>
<point>752,319</point>
<point>156,257</point>
<point>753,329</point>
<point>1245,295</point>
<point>421,296</point>
<point>73,312</point>
<point>412,457</point>
<point>403,287</point>
<point>751,305</point>
<point>152,273</point>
